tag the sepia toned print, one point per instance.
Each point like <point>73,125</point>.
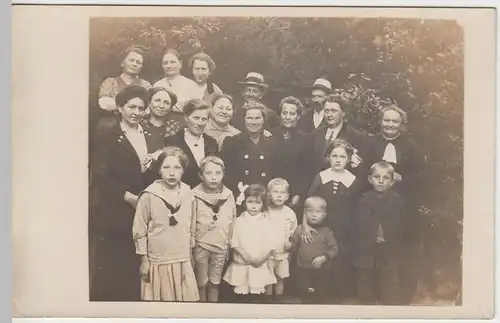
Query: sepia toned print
<point>359,121</point>
<point>335,168</point>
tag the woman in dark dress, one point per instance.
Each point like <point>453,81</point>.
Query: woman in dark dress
<point>159,124</point>
<point>193,141</point>
<point>294,146</point>
<point>249,156</point>
<point>120,166</point>
<point>396,147</point>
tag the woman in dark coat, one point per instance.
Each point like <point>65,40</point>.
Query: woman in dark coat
<point>396,147</point>
<point>120,167</point>
<point>293,145</point>
<point>249,156</point>
<point>193,141</point>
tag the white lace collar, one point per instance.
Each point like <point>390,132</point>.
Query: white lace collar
<point>346,177</point>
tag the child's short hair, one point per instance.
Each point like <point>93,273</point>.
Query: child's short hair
<point>212,159</point>
<point>315,201</point>
<point>383,165</point>
<point>349,149</point>
<point>257,190</point>
<point>172,151</point>
<point>278,182</point>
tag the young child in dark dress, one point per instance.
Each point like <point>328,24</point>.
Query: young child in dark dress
<point>379,228</point>
<point>340,188</point>
<point>314,260</point>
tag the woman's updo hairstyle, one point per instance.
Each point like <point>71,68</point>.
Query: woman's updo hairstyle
<point>131,92</point>
<point>173,97</point>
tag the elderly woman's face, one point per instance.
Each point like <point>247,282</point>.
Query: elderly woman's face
<point>222,111</point>
<point>171,64</point>
<point>254,121</point>
<point>132,64</point>
<point>289,115</point>
<point>391,123</point>
<point>197,121</point>
<point>252,92</point>
<point>201,71</point>
<point>161,104</point>
<point>133,111</point>
<point>333,114</point>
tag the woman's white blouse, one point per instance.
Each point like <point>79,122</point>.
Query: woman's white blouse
<point>185,89</point>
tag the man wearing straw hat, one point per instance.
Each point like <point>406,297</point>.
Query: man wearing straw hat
<point>313,118</point>
<point>253,88</point>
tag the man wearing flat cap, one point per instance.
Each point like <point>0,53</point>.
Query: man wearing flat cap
<point>253,88</point>
<point>314,117</point>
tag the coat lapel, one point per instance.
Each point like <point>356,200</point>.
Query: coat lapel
<point>320,141</point>
<point>184,145</point>
<point>122,140</point>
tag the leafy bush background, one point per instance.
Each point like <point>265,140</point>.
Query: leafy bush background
<point>371,62</point>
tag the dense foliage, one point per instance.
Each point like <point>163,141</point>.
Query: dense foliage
<point>371,62</point>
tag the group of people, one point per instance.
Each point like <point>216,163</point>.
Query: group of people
<point>192,191</point>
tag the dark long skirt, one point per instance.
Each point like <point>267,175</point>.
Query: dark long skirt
<point>114,268</point>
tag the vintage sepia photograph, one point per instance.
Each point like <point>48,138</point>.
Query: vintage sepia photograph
<point>276,160</point>
<point>233,162</point>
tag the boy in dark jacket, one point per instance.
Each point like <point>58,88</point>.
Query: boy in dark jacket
<point>314,260</point>
<point>379,227</point>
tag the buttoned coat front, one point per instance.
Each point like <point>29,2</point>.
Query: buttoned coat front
<point>247,162</point>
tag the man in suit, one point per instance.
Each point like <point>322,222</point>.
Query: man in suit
<point>336,128</point>
<point>314,117</point>
<point>253,89</point>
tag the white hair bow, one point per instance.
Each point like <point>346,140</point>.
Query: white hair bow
<point>241,197</point>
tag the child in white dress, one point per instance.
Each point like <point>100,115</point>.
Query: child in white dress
<point>252,244</point>
<point>162,233</point>
<point>283,223</point>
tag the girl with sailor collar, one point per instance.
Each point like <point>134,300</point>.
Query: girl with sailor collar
<point>163,233</point>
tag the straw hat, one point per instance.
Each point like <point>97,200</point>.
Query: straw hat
<point>256,79</point>
<point>322,84</point>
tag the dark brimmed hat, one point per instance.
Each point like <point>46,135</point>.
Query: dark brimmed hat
<point>322,84</point>
<point>256,79</point>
